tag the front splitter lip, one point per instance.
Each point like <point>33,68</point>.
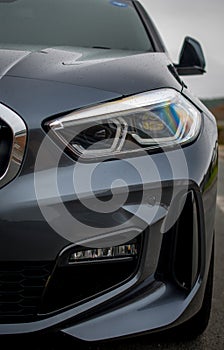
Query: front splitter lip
<point>158,311</point>
<point>160,308</point>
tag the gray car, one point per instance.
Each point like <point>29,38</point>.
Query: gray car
<point>108,174</point>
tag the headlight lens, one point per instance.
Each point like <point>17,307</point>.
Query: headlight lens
<point>160,118</point>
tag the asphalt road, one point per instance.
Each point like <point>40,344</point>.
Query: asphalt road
<point>212,339</point>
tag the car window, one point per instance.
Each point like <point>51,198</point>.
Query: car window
<point>85,23</point>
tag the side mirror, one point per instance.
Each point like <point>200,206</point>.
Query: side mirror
<point>192,60</point>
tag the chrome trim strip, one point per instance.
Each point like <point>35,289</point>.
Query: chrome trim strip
<point>100,261</point>
<point>19,133</point>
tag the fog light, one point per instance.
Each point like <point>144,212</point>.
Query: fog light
<point>111,254</point>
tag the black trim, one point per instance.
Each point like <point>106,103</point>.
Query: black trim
<point>152,32</point>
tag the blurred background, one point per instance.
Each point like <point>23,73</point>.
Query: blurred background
<point>204,21</point>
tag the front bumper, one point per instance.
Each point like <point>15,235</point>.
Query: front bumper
<point>153,297</point>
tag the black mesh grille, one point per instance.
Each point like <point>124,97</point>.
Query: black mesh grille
<point>21,288</point>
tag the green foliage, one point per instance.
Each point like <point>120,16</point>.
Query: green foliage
<point>212,103</point>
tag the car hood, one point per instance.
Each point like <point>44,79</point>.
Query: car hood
<point>120,71</point>
<point>38,83</point>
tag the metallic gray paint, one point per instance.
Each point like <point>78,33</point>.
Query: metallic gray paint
<point>39,85</point>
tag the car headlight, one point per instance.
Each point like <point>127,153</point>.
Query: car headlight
<point>155,119</point>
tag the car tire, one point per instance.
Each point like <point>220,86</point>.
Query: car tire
<point>195,326</point>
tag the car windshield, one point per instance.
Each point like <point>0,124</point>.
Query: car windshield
<point>102,24</point>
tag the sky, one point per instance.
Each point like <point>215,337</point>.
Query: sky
<point>202,20</point>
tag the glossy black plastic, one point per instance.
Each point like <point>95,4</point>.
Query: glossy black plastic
<point>192,60</point>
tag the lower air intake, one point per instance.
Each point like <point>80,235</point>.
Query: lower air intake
<point>21,287</point>
<point>84,273</point>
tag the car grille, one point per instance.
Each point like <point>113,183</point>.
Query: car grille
<point>5,146</point>
<point>13,136</point>
<point>21,288</point>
